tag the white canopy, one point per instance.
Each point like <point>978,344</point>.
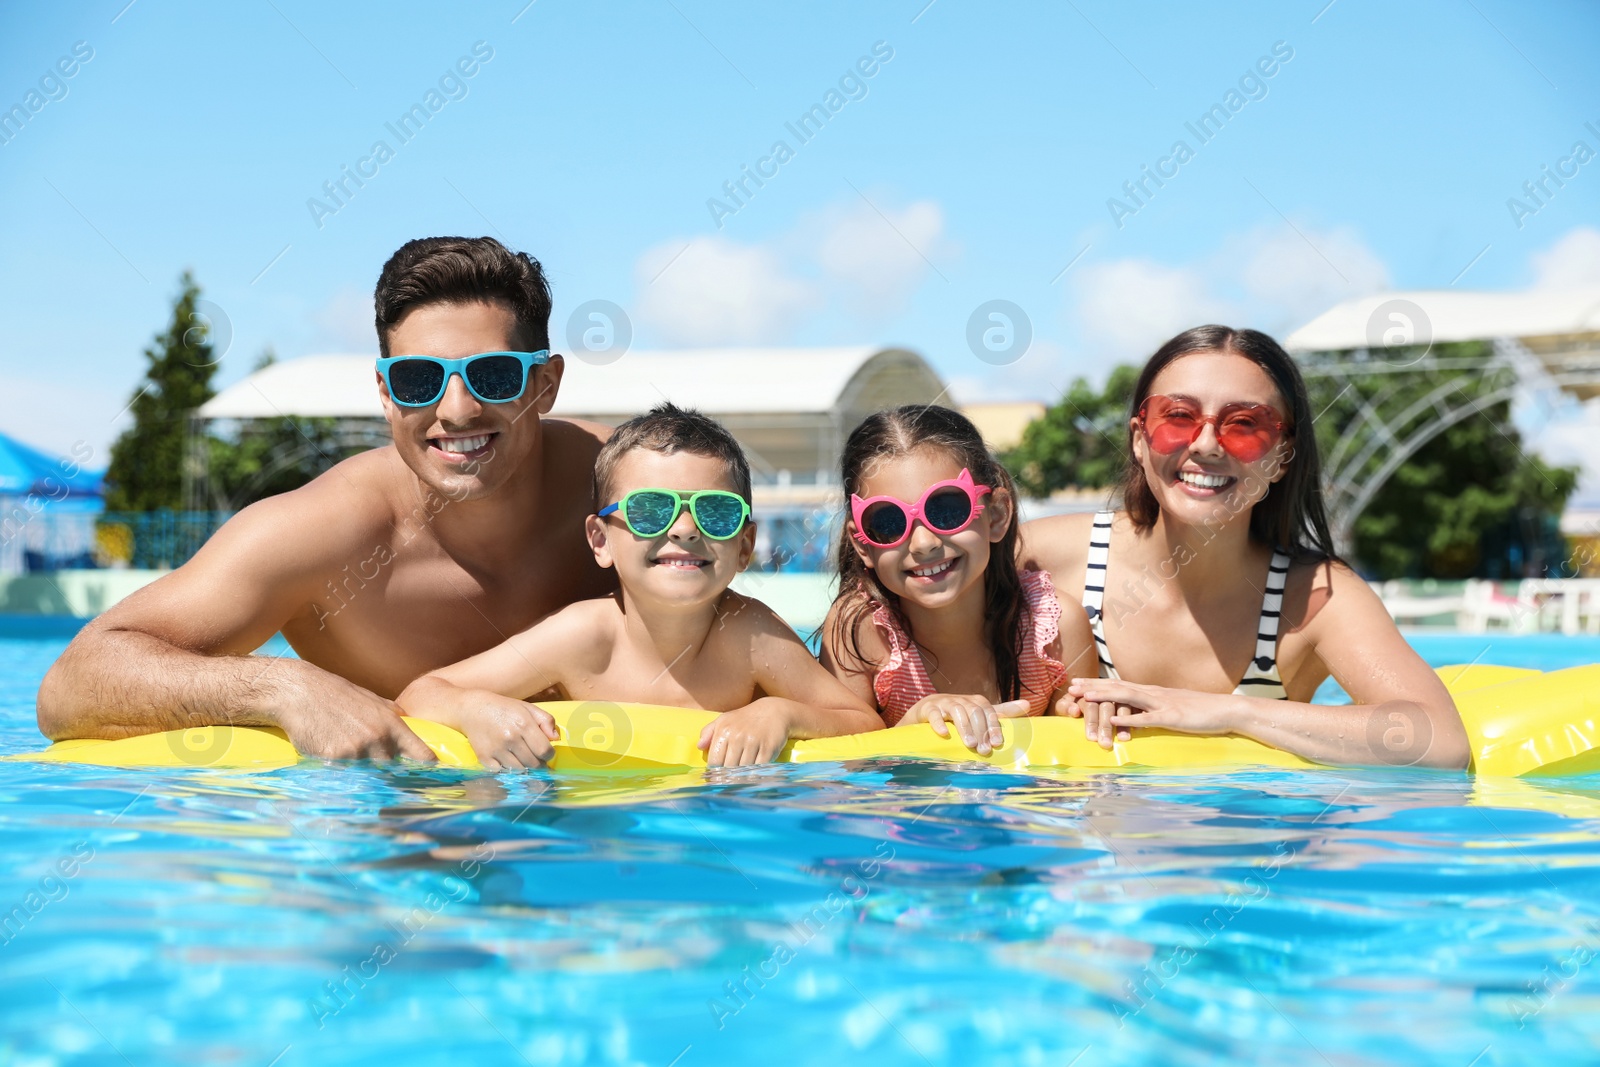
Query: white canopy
<point>1452,315</point>
<point>718,381</point>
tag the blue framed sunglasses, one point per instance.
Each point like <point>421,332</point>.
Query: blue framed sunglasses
<point>492,377</point>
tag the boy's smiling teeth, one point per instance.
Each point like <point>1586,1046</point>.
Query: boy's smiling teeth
<point>933,570</point>
<point>1203,481</point>
<point>681,562</point>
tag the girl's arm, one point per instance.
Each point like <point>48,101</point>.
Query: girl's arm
<point>482,696</point>
<point>1402,714</point>
<point>798,698</point>
<point>856,677</point>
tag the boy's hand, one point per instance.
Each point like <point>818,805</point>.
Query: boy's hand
<point>750,735</point>
<point>977,721</point>
<point>507,734</point>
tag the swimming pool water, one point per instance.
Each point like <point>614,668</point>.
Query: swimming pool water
<point>899,912</point>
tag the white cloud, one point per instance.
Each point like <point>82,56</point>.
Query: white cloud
<point>1290,276</point>
<point>1129,306</point>
<point>1271,279</point>
<point>717,291</point>
<point>847,257</point>
<point>879,260</point>
<point>345,322</point>
<point>1571,262</point>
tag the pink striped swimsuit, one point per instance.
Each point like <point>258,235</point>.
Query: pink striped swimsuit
<point>903,680</point>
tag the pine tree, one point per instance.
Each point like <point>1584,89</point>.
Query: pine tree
<point>146,471</point>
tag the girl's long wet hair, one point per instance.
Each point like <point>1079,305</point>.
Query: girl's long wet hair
<point>888,435</point>
<point>1291,516</point>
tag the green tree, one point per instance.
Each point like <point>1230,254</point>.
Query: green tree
<point>146,469</point>
<point>267,457</point>
<point>1082,441</point>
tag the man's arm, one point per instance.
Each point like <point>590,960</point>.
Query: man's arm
<point>176,654</point>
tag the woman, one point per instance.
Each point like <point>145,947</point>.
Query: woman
<point>1217,602</point>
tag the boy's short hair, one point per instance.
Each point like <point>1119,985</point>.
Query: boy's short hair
<point>464,270</point>
<point>667,429</point>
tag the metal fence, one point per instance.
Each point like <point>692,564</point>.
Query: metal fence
<point>145,540</point>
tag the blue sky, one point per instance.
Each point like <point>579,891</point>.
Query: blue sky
<point>975,164</point>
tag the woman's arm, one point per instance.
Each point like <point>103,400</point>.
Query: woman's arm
<point>1402,714</point>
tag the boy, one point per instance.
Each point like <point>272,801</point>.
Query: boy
<point>674,490</point>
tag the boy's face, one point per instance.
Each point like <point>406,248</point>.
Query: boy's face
<point>682,566</point>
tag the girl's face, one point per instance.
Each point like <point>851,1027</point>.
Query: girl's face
<point>930,569</point>
<point>1203,483</point>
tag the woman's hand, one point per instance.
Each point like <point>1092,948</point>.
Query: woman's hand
<point>507,734</point>
<point>1096,716</point>
<point>1121,706</point>
<point>976,719</point>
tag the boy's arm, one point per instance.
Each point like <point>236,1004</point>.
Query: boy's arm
<point>799,698</point>
<point>483,696</point>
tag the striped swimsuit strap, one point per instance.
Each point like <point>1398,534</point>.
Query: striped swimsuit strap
<point>1261,677</point>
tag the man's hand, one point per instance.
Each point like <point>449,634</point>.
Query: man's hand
<point>506,733</point>
<point>326,716</point>
<point>752,734</point>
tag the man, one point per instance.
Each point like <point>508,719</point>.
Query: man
<point>397,561</point>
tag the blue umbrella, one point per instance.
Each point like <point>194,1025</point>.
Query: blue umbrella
<point>27,470</point>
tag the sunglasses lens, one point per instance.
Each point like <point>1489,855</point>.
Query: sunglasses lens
<point>883,523</point>
<point>947,510</point>
<point>650,513</point>
<point>416,381</point>
<point>720,516</point>
<point>1170,426</point>
<point>1248,435</point>
<point>496,378</point>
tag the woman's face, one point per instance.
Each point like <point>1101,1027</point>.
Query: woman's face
<point>1202,483</point>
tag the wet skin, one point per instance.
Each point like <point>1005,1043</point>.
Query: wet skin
<point>397,561</point>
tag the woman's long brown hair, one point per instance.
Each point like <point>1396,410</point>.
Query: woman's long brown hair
<point>889,435</point>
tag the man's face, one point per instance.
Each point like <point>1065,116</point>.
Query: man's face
<point>462,448</point>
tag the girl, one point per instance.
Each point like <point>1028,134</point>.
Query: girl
<point>1217,602</point>
<point>933,623</point>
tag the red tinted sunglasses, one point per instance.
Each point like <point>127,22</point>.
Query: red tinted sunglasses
<point>1245,431</point>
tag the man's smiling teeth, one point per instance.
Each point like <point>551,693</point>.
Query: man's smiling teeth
<point>1203,481</point>
<point>462,444</point>
<point>934,570</point>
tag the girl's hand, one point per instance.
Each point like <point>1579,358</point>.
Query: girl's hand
<point>508,734</point>
<point>1122,704</point>
<point>976,719</point>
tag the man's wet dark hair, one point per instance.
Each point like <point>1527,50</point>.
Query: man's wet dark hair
<point>668,429</point>
<point>464,270</point>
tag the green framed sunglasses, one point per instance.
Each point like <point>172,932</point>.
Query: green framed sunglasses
<point>651,512</point>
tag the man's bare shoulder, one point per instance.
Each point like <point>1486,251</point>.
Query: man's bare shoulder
<point>575,436</point>
<point>348,506</point>
<point>1058,543</point>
